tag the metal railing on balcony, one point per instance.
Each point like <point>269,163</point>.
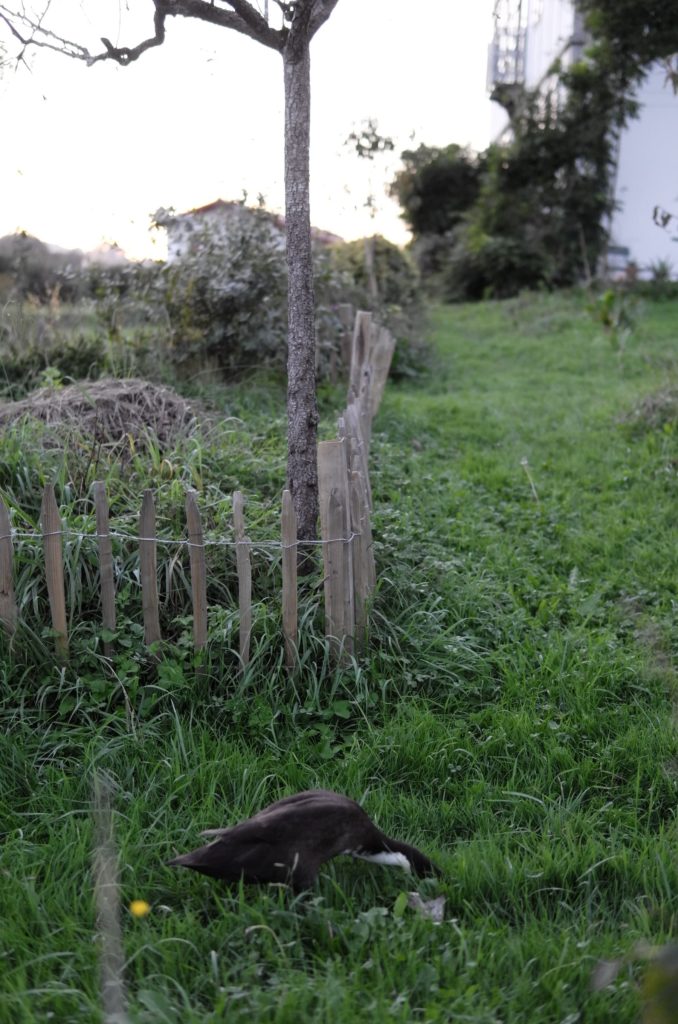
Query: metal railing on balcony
<point>506,58</point>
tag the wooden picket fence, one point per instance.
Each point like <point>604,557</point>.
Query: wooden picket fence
<point>346,535</point>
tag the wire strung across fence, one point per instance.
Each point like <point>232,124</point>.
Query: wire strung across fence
<point>168,541</point>
<point>345,495</point>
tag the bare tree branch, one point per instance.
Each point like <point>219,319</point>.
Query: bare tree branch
<point>319,14</point>
<point>286,8</point>
<point>51,40</point>
<point>242,18</point>
<point>38,35</point>
<point>125,54</point>
<point>249,14</point>
<point>298,14</point>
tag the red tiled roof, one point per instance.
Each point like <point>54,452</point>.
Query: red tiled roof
<point>319,235</point>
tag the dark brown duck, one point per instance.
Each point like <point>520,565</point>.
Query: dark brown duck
<point>289,841</point>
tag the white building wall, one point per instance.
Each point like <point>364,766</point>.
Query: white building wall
<point>550,27</point>
<point>647,176</point>
<point>217,224</point>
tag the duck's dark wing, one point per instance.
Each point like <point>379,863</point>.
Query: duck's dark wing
<point>214,832</point>
<point>303,808</point>
<point>217,859</point>
<point>249,854</point>
<point>319,825</point>
<point>311,802</point>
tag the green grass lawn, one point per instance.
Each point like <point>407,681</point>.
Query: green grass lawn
<point>515,717</point>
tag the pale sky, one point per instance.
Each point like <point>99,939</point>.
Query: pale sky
<point>90,153</point>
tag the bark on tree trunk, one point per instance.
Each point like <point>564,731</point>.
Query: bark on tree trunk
<point>302,406</point>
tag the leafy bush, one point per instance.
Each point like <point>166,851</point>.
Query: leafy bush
<point>435,187</point>
<point>399,305</point>
<point>227,298</point>
<point>537,217</point>
<point>29,268</point>
<point>222,307</point>
<point>397,276</point>
<point>489,266</point>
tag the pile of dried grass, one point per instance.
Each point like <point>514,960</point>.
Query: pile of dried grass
<point>660,409</point>
<point>108,410</point>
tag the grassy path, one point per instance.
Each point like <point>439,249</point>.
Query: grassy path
<point>515,719</point>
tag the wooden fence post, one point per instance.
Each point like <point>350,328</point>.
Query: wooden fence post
<point>359,349</point>
<point>196,553</point>
<point>359,555</point>
<point>365,527</point>
<point>105,562</point>
<point>149,570</point>
<point>335,525</point>
<point>381,354</point>
<point>289,578</point>
<point>358,459</point>
<point>8,611</point>
<point>242,555</point>
<point>345,311</point>
<point>54,569</point>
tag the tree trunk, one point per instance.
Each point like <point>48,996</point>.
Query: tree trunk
<point>302,406</point>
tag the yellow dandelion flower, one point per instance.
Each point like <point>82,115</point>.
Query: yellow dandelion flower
<point>139,908</point>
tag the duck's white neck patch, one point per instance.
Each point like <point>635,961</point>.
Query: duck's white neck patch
<point>394,860</point>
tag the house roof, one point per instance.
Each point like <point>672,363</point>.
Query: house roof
<point>318,234</point>
<point>210,207</point>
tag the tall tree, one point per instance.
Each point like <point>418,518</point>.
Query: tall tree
<point>301,19</point>
<point>435,187</point>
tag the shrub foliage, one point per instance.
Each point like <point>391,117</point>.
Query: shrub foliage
<point>222,307</point>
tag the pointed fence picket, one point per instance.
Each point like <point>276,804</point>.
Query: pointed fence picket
<point>346,533</point>
<point>148,564</point>
<point>196,548</point>
<point>244,566</point>
<point>335,531</point>
<point>54,569</point>
<point>105,564</point>
<point>8,611</point>
<point>289,578</point>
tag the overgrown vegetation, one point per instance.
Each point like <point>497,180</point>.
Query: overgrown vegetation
<point>514,716</point>
<point>530,212</point>
<point>399,299</point>
<point>222,308</point>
